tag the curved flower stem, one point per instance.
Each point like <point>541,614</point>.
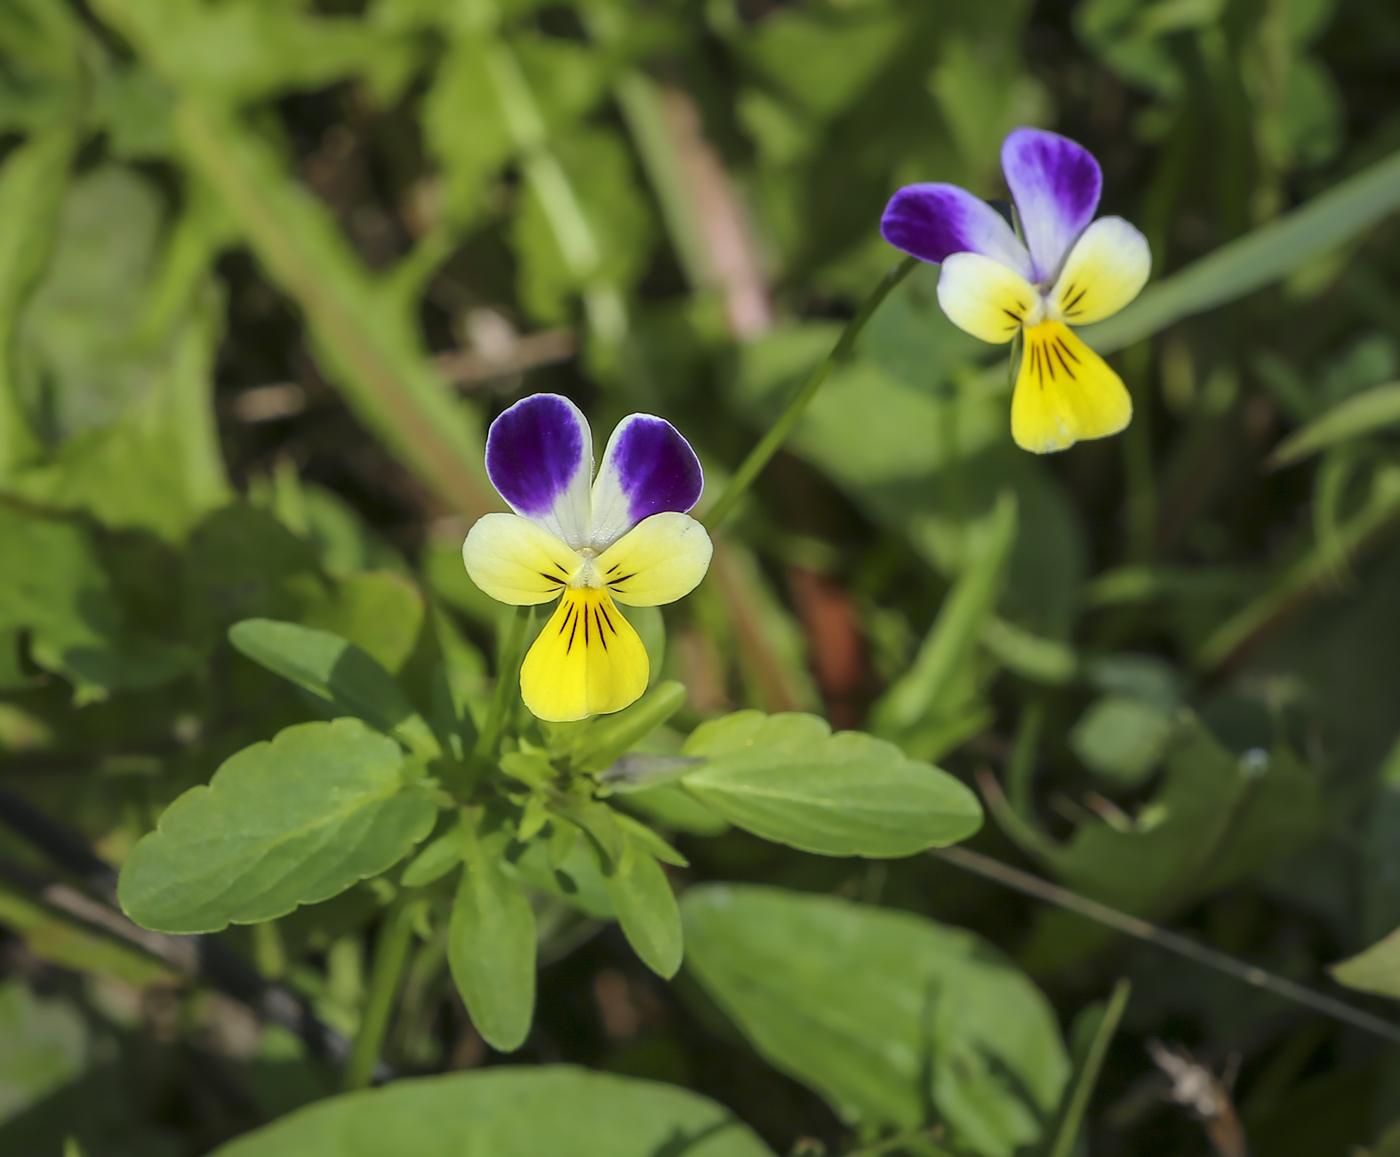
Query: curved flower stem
<point>778,432</point>
<point>507,686</point>
<point>390,957</point>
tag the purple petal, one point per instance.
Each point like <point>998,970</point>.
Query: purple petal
<point>647,468</point>
<point>931,222</point>
<point>539,455</point>
<point>1056,184</point>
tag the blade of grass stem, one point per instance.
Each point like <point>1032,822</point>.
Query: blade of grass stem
<point>1088,1075</point>
<point>777,433</point>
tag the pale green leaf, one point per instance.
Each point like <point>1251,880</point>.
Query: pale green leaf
<point>513,1111</point>
<point>641,897</point>
<point>290,822</point>
<point>1375,970</point>
<point>491,940</point>
<point>787,778</point>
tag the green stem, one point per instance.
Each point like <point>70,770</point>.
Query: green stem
<point>390,957</point>
<point>1020,769</point>
<point>778,432</point>
<point>1088,1075</point>
<point>507,686</point>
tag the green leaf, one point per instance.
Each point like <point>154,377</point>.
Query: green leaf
<point>491,940</point>
<point>609,736</point>
<point>51,935</point>
<point>597,819</point>
<point>1375,970</point>
<point>54,586</point>
<point>1361,414</point>
<point>364,328</point>
<point>469,159</point>
<point>436,859</point>
<point>1121,738</point>
<point>514,1111</point>
<point>380,611</point>
<point>42,84</point>
<point>583,222</point>
<point>31,193</point>
<point>646,908</point>
<point>1216,819</point>
<point>1093,1033</point>
<point>290,822</point>
<point>670,806</point>
<point>787,778</point>
<point>237,53</point>
<point>339,672</point>
<point>927,688</point>
<point>883,1013</point>
<point>573,876</point>
<point>1258,258</point>
<point>46,1046</point>
<point>121,398</point>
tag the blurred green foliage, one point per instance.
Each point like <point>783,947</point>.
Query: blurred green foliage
<point>268,268</point>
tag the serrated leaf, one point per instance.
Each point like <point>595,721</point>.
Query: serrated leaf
<point>491,940</point>
<point>884,1013</point>
<point>787,778</point>
<point>285,823</point>
<point>513,1111</point>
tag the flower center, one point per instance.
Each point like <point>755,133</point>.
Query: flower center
<point>587,575</point>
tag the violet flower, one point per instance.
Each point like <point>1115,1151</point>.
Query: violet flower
<point>625,537</point>
<point>1067,272</point>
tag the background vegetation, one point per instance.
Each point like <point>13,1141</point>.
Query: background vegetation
<point>268,269</point>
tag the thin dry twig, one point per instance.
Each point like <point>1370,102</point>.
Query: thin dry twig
<point>1204,1095</point>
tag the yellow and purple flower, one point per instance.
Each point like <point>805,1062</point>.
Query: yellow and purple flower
<point>1067,272</point>
<point>626,536</point>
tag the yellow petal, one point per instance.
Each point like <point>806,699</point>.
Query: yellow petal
<point>1105,270</point>
<point>515,561</point>
<point>659,560</point>
<point>587,661</point>
<point>984,297</point>
<point>1065,392</point>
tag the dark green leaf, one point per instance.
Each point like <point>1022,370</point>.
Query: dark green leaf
<point>883,1013</point>
<point>337,671</point>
